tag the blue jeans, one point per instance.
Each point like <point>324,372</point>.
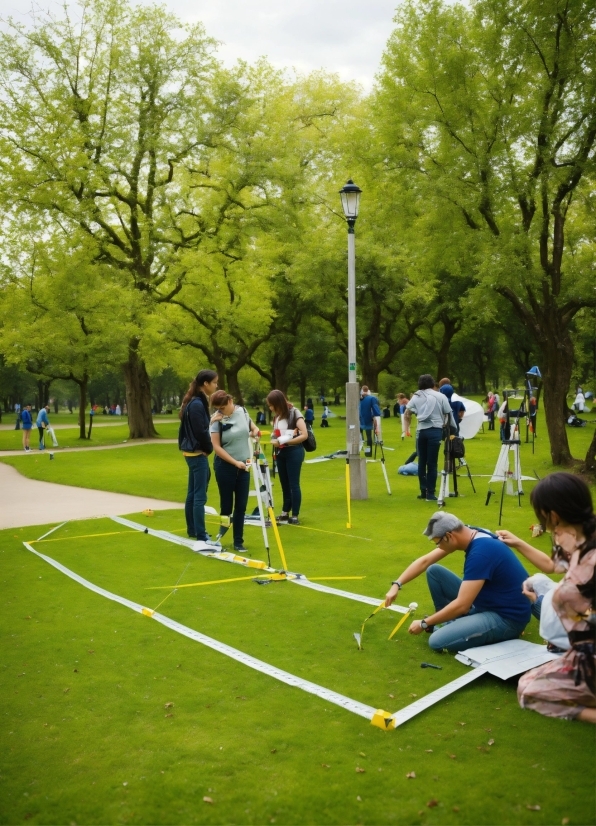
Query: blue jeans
<point>233,484</point>
<point>476,628</point>
<point>194,507</point>
<point>289,465</point>
<point>429,444</point>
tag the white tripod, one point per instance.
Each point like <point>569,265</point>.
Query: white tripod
<point>507,472</point>
<point>263,490</point>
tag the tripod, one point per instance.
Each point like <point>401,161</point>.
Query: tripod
<point>263,491</point>
<point>450,469</point>
<point>503,472</point>
<point>379,444</point>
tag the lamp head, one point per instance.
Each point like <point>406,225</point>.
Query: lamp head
<point>350,200</point>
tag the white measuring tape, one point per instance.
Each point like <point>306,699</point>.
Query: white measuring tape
<point>258,665</point>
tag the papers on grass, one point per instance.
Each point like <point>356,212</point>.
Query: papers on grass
<point>506,659</point>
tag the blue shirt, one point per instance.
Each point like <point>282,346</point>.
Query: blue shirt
<point>42,417</point>
<point>26,419</point>
<point>309,415</point>
<point>491,560</point>
<point>369,408</point>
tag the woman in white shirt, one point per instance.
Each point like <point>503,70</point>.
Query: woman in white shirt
<point>289,431</point>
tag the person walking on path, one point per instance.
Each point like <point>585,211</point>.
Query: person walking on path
<point>230,429</point>
<point>432,410</point>
<point>42,423</point>
<point>289,431</point>
<point>27,421</point>
<point>195,443</point>
<point>486,606</point>
<point>565,687</point>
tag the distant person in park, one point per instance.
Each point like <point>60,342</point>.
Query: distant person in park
<point>195,443</point>
<point>457,408</point>
<point>27,421</point>
<point>230,429</point>
<point>565,687</point>
<point>309,403</point>
<point>309,415</point>
<point>503,416</point>
<point>42,423</point>
<point>431,409</point>
<point>17,410</point>
<point>289,431</point>
<point>579,404</point>
<point>486,605</point>
<point>325,416</point>
<point>403,403</point>
<point>369,410</point>
<point>491,410</point>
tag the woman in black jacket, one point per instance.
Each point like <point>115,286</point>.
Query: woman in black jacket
<point>195,443</point>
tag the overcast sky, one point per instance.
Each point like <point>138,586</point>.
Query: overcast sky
<point>343,36</point>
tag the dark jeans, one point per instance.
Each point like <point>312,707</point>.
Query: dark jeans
<point>194,507</point>
<point>476,628</point>
<point>369,433</point>
<point>233,484</point>
<point>491,420</point>
<point>289,465</point>
<point>429,443</point>
<point>41,437</point>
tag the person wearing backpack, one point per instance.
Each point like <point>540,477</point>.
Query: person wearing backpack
<point>230,429</point>
<point>432,409</point>
<point>195,443</point>
<point>289,432</point>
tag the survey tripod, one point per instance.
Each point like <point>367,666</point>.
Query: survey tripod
<point>504,473</point>
<point>450,467</point>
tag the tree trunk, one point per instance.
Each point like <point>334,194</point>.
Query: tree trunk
<point>557,355</point>
<point>138,395</point>
<point>302,385</point>
<point>82,404</point>
<point>233,386</point>
<point>370,375</point>
<point>589,465</point>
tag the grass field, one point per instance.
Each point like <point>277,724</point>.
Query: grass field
<point>108,433</point>
<point>87,734</point>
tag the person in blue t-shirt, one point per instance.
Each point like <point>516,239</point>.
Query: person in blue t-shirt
<point>484,607</point>
<point>42,423</point>
<point>27,421</point>
<point>458,408</point>
<point>369,411</point>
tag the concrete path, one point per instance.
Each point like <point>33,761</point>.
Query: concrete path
<point>131,443</point>
<point>30,502</point>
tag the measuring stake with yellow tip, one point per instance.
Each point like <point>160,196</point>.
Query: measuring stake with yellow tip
<point>349,522</point>
<point>277,537</point>
<point>358,637</point>
<point>411,608</point>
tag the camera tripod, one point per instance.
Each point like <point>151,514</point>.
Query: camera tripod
<point>450,468</point>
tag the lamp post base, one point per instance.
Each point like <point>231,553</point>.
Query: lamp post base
<point>358,480</point>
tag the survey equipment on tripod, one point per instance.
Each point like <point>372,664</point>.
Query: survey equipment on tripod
<point>263,490</point>
<point>508,469</point>
<point>454,452</point>
<point>532,375</point>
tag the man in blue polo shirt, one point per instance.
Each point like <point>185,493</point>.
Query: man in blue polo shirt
<point>484,607</point>
<point>369,411</point>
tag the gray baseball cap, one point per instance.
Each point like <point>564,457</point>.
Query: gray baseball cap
<point>441,523</point>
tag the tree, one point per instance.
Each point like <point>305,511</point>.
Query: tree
<point>493,107</point>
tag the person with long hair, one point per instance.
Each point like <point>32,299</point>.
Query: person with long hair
<point>289,431</point>
<point>195,443</point>
<point>565,687</point>
<point>230,428</point>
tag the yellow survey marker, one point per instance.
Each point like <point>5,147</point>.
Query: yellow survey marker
<point>382,719</point>
<point>358,637</point>
<point>277,538</point>
<point>411,608</point>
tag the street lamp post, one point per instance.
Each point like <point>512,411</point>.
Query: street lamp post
<point>350,201</point>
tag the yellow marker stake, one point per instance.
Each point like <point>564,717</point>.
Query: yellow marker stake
<point>349,523</point>
<point>358,637</point>
<point>196,584</point>
<point>277,538</point>
<point>399,625</point>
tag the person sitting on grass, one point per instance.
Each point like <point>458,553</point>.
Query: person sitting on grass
<point>484,607</point>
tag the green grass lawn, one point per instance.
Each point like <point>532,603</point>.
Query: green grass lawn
<point>87,735</point>
<point>116,433</point>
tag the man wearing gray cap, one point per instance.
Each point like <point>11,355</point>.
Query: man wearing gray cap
<point>484,607</point>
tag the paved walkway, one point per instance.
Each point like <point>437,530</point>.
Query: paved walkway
<point>49,449</point>
<point>30,502</point>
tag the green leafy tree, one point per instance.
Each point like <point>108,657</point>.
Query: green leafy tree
<point>493,107</point>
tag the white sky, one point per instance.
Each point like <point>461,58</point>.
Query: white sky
<point>343,36</point>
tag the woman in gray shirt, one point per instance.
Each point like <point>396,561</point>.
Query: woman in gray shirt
<point>431,409</point>
<point>230,429</point>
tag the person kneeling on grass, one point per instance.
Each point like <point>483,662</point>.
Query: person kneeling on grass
<point>487,606</point>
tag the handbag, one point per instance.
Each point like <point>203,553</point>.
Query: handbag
<point>310,443</point>
<point>458,451</point>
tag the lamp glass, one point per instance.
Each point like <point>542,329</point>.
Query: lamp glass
<point>350,199</point>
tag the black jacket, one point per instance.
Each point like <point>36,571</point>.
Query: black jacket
<point>193,434</point>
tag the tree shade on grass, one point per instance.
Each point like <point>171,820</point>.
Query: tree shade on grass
<point>86,683</point>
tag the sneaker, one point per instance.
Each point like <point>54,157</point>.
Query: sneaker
<point>283,519</point>
<point>431,498</point>
<point>239,547</point>
<point>293,520</point>
<point>422,495</point>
